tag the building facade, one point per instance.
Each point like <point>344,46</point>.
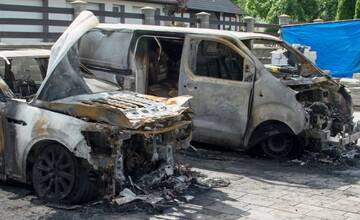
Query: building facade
<point>220,10</point>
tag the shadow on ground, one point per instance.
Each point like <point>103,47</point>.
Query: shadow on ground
<point>316,176</point>
<point>211,204</point>
<point>20,198</point>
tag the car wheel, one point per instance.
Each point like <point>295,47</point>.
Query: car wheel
<point>279,146</point>
<point>58,177</point>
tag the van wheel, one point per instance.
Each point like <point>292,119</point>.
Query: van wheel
<point>58,177</point>
<point>279,146</point>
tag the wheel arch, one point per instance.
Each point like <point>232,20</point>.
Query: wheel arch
<point>267,129</point>
<point>33,151</point>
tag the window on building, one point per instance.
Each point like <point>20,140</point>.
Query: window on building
<point>217,60</point>
<point>229,18</point>
<point>119,9</point>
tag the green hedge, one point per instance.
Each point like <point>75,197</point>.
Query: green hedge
<point>346,9</point>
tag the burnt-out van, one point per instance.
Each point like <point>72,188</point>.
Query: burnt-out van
<point>241,98</point>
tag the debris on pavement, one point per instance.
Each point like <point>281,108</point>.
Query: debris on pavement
<point>297,161</point>
<point>159,190</point>
<point>215,182</point>
<point>347,156</point>
<point>153,193</point>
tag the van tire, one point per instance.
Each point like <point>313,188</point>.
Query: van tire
<point>59,177</point>
<point>280,146</point>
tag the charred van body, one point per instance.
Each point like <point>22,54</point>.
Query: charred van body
<point>248,89</point>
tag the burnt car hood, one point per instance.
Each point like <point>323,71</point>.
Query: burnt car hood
<point>122,108</point>
<point>84,22</point>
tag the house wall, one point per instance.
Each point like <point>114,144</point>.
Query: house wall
<point>133,7</point>
<point>230,17</point>
<point>24,28</point>
<point>107,5</point>
<point>221,17</point>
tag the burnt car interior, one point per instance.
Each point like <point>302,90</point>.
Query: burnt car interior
<point>24,75</point>
<point>161,58</point>
<point>218,61</point>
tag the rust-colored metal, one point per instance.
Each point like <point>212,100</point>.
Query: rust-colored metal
<point>95,112</point>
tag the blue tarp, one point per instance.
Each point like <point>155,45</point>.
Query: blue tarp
<point>337,44</point>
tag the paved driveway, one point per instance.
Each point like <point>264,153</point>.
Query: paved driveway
<point>260,189</point>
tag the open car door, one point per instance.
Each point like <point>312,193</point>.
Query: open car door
<point>218,75</point>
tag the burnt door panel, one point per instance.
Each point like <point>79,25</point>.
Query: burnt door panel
<point>12,121</point>
<point>2,141</point>
<point>214,77</point>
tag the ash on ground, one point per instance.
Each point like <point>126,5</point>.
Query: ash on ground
<point>334,156</point>
<point>339,157</point>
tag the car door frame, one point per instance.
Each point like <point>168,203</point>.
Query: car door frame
<point>6,94</point>
<point>187,74</point>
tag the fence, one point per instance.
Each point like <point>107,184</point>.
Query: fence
<point>148,16</point>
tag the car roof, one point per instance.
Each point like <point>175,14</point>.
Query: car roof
<point>185,30</point>
<point>31,53</point>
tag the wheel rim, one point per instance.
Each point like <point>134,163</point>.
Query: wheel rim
<point>278,146</point>
<point>54,173</point>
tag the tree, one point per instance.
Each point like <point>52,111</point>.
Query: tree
<point>298,10</point>
<point>269,10</point>
<point>258,8</point>
<point>346,9</point>
<point>357,9</point>
<point>240,3</point>
<point>328,9</point>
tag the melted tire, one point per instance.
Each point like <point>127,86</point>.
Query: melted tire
<point>78,187</point>
<point>281,147</point>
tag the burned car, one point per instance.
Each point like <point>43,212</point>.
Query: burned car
<point>241,98</point>
<point>78,136</point>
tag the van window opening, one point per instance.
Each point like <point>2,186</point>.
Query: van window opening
<point>216,60</point>
<point>159,57</point>
<point>279,59</point>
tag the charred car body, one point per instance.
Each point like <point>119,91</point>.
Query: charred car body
<point>76,132</point>
<point>240,99</point>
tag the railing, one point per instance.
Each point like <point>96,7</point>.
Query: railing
<point>159,18</point>
<point>45,22</point>
<point>148,16</point>
<point>118,14</point>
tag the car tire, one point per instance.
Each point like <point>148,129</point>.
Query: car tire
<point>280,146</point>
<point>59,177</point>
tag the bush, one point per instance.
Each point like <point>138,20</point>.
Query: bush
<point>357,9</point>
<point>346,9</point>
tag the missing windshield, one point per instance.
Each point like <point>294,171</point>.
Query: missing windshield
<point>71,78</point>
